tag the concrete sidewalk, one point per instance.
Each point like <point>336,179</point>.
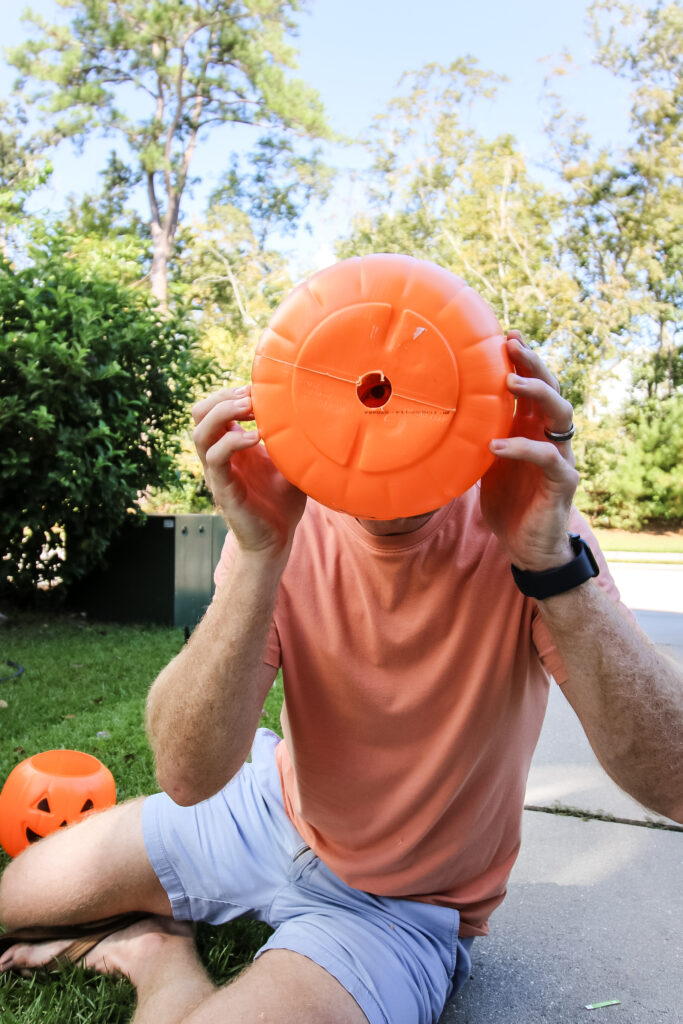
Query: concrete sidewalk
<point>593,912</point>
<point>594,909</point>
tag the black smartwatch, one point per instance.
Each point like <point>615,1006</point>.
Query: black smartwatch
<point>565,577</point>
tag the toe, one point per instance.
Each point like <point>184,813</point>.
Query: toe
<point>31,955</point>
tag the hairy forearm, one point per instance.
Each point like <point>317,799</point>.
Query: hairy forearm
<point>628,697</point>
<point>204,707</point>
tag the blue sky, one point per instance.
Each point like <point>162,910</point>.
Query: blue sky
<point>354,51</point>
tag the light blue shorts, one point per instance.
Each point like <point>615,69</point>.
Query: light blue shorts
<point>238,854</point>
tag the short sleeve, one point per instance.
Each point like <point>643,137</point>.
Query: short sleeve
<point>272,655</point>
<point>543,643</point>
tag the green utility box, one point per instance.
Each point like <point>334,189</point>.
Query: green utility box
<point>160,571</point>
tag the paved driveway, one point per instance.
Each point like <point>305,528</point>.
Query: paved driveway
<point>655,594</point>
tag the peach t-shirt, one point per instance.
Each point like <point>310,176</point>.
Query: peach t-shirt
<point>416,681</point>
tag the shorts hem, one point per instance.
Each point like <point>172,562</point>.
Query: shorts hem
<point>158,858</point>
<point>339,970</point>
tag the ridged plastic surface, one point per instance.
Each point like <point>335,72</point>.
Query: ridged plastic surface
<point>378,385</point>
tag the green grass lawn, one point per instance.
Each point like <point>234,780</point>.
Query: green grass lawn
<point>667,542</point>
<point>83,687</point>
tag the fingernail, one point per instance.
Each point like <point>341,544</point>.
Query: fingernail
<point>497,446</point>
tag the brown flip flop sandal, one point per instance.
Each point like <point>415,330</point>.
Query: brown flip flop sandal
<point>85,937</point>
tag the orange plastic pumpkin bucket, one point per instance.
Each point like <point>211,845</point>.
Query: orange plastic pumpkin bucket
<point>50,791</point>
<point>378,385</point>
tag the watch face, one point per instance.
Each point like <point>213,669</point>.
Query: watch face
<point>580,545</point>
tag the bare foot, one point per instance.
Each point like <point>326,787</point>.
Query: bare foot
<point>122,953</point>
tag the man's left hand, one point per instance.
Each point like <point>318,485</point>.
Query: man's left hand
<point>527,494</point>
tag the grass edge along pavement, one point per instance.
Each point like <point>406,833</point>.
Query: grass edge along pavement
<point>668,542</point>
<point>567,811</point>
<point>84,687</point>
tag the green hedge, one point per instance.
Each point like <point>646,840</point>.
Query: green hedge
<point>95,386</point>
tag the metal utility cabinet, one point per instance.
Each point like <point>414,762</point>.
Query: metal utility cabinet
<point>160,571</point>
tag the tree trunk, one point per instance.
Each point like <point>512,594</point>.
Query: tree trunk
<point>159,273</point>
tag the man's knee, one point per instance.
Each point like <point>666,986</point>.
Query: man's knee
<point>92,869</point>
<point>282,986</point>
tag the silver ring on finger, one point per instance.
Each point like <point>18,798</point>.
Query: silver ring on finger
<point>560,438</point>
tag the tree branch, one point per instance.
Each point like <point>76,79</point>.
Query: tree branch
<point>172,128</point>
<point>470,269</point>
<point>137,26</point>
<point>153,204</point>
<point>246,317</point>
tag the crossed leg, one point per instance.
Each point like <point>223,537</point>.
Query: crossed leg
<point>100,868</point>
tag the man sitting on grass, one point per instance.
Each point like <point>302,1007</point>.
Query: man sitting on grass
<point>378,836</point>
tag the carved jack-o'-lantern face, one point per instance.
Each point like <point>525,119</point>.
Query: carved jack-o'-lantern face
<point>50,791</point>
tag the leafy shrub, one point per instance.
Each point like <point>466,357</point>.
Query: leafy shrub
<point>632,466</point>
<point>95,385</point>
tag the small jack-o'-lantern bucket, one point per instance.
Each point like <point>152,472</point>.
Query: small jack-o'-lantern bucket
<point>50,791</point>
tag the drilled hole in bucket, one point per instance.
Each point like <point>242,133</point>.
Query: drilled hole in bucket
<point>373,389</point>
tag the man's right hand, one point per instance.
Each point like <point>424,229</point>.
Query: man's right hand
<point>259,505</point>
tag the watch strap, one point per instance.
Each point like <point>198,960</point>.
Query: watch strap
<point>564,577</point>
